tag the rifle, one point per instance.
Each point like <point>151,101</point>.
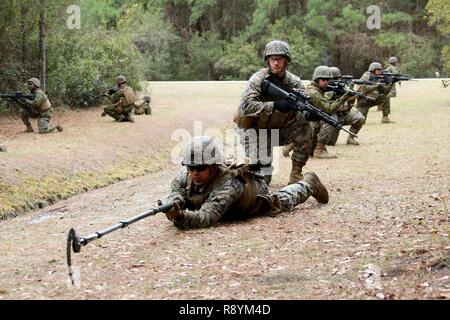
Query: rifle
<point>340,88</point>
<point>74,242</point>
<point>18,97</point>
<point>388,77</point>
<point>302,105</point>
<point>109,92</point>
<point>347,79</point>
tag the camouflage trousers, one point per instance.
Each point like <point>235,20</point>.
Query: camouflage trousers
<point>283,200</point>
<point>258,144</point>
<point>43,119</point>
<point>393,92</point>
<point>293,194</point>
<point>115,113</point>
<point>383,101</point>
<point>327,134</point>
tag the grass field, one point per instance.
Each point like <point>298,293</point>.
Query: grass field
<point>384,234</point>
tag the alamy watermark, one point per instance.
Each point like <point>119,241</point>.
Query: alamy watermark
<point>374,20</point>
<point>74,19</point>
<point>251,146</point>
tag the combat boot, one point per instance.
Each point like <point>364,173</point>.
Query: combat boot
<point>386,119</point>
<point>319,191</point>
<point>128,117</point>
<point>59,128</point>
<point>296,172</point>
<point>120,118</point>
<point>351,140</point>
<point>29,128</point>
<point>322,153</point>
<point>103,114</point>
<point>286,150</point>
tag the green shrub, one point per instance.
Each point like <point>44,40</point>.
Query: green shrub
<point>83,65</point>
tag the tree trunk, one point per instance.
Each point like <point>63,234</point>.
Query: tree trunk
<point>42,60</point>
<point>23,17</point>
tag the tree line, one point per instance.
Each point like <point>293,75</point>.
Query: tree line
<point>208,40</point>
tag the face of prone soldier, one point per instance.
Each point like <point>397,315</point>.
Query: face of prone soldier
<point>377,72</point>
<point>278,65</point>
<point>200,174</point>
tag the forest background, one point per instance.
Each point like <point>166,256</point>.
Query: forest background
<point>77,48</point>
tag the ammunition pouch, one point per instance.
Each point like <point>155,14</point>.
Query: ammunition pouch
<point>261,120</point>
<point>45,106</point>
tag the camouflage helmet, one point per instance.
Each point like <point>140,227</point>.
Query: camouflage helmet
<point>335,72</point>
<point>277,48</point>
<point>322,72</point>
<point>201,150</point>
<point>393,60</point>
<point>375,65</point>
<point>35,81</point>
<point>121,79</point>
<point>147,99</point>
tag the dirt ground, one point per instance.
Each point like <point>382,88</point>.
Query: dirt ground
<point>384,235</point>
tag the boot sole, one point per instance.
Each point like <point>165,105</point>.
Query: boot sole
<point>322,190</point>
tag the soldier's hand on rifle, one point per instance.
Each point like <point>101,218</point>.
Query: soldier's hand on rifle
<point>282,105</point>
<point>346,95</point>
<point>311,116</point>
<point>175,213</point>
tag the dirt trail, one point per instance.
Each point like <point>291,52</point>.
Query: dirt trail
<point>384,235</point>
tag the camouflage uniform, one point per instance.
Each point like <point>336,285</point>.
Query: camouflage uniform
<point>221,198</point>
<point>40,108</point>
<point>142,107</point>
<point>346,116</point>
<point>123,102</point>
<point>392,69</point>
<point>379,92</point>
<point>257,107</point>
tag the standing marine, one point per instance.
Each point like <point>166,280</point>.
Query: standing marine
<point>261,116</point>
<point>392,67</point>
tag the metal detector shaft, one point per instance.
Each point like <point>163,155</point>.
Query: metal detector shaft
<point>123,224</point>
<point>74,243</point>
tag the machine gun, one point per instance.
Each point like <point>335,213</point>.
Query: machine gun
<point>300,100</point>
<point>74,242</point>
<point>18,97</point>
<point>341,88</point>
<point>387,77</point>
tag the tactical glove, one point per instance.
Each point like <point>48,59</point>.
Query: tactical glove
<point>311,116</point>
<point>282,106</point>
<point>175,213</point>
